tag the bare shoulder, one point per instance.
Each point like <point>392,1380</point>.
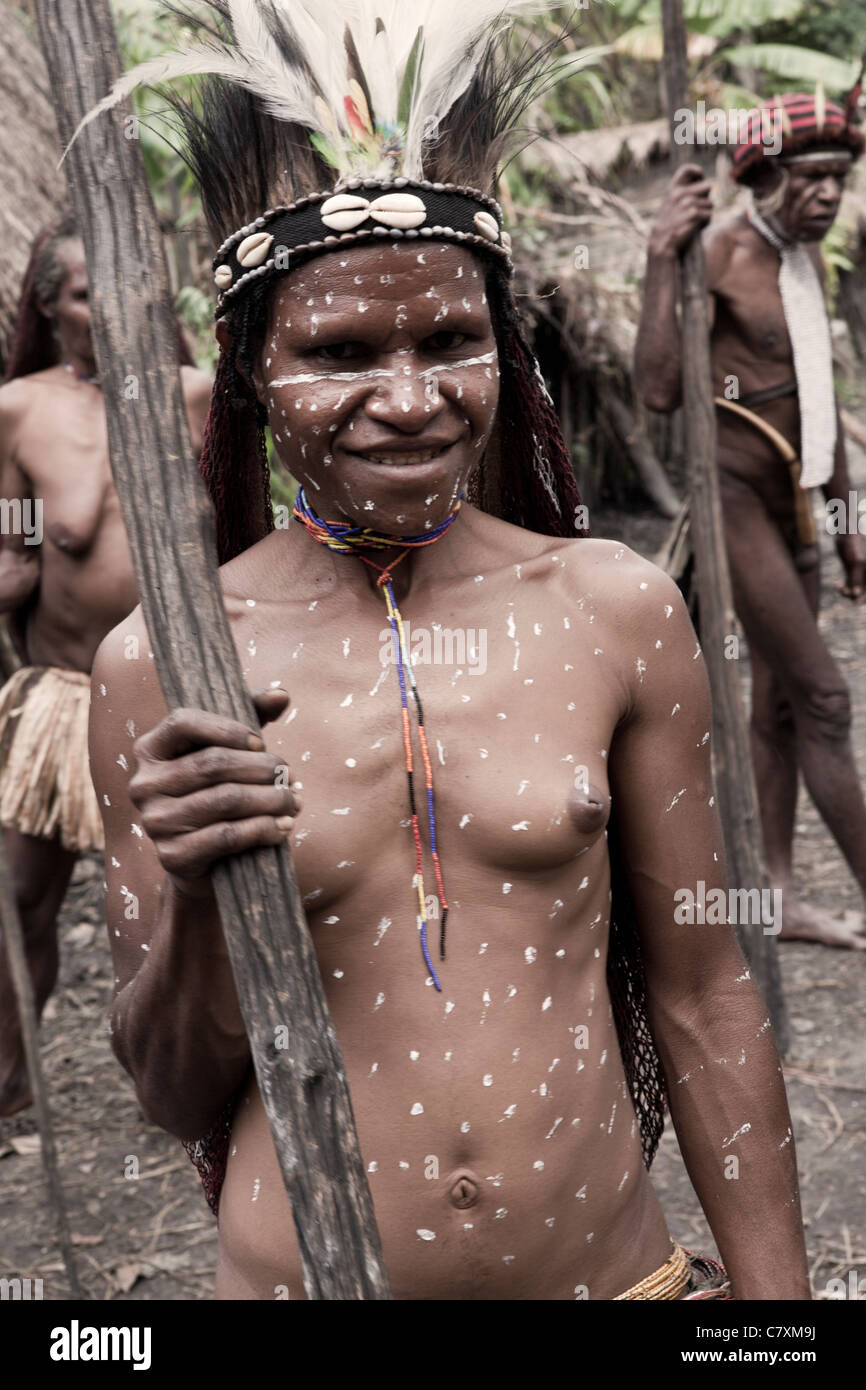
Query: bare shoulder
<point>125,690</point>
<point>15,398</point>
<point>643,622</point>
<point>124,665</point>
<point>721,241</point>
<point>197,385</point>
<point>24,393</point>
<point>619,575</point>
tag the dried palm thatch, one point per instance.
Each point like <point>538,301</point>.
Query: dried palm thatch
<point>33,187</point>
<point>45,786</point>
<point>580,255</point>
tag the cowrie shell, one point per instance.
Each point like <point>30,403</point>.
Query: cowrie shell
<point>344,212</point>
<point>487,225</point>
<point>254,249</point>
<point>399,210</point>
<point>506,241</point>
<point>223,277</point>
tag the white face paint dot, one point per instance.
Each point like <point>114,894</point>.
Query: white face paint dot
<point>417,1108</point>
<point>530,955</point>
<point>488,1080</point>
<point>538,1165</point>
<point>426,1235</point>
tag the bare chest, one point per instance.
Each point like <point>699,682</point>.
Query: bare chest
<point>64,452</point>
<point>506,719</point>
<point>750,326</point>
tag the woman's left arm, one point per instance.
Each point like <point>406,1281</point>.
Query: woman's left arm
<point>724,1078</point>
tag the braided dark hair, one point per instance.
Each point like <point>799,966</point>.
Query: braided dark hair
<point>34,342</point>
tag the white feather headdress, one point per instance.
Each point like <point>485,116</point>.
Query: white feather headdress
<point>370,80</point>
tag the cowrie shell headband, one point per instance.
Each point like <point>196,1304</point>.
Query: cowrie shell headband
<point>365,208</point>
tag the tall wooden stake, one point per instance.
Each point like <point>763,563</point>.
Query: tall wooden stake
<point>22,985</point>
<point>732,759</point>
<point>170,528</point>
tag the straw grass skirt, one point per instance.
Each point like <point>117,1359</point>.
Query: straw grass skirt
<point>45,786</point>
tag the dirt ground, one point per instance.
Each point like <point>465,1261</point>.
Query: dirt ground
<point>141,1227</point>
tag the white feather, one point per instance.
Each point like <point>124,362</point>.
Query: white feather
<point>449,61</point>
<point>186,61</point>
<point>287,91</point>
<point>316,30</point>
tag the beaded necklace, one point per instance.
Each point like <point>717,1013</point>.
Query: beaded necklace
<point>94,380</point>
<point>346,539</point>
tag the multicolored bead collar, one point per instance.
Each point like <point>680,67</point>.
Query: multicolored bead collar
<point>275,242</point>
<point>350,540</point>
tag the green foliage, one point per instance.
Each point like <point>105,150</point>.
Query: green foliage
<point>145,30</point>
<point>836,27</point>
<point>724,17</point>
<point>734,46</point>
<point>836,251</point>
<point>284,488</point>
<point>195,310</point>
<point>801,65</point>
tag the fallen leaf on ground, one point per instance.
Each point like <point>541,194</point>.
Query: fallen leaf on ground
<point>82,935</point>
<point>26,1143</point>
<point>124,1277</point>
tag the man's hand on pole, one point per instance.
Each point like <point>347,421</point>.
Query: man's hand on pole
<point>686,210</point>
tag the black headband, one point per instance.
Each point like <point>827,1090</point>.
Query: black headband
<point>363,209</point>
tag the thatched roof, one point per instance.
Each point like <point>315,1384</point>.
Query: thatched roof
<point>601,152</point>
<point>29,150</point>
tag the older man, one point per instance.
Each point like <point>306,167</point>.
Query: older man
<point>66,576</point>
<point>778,436</point>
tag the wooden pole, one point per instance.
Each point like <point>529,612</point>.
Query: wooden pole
<point>732,760</point>
<point>19,973</point>
<point>169,523</point>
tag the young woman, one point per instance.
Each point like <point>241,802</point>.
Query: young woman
<point>493,1088</point>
